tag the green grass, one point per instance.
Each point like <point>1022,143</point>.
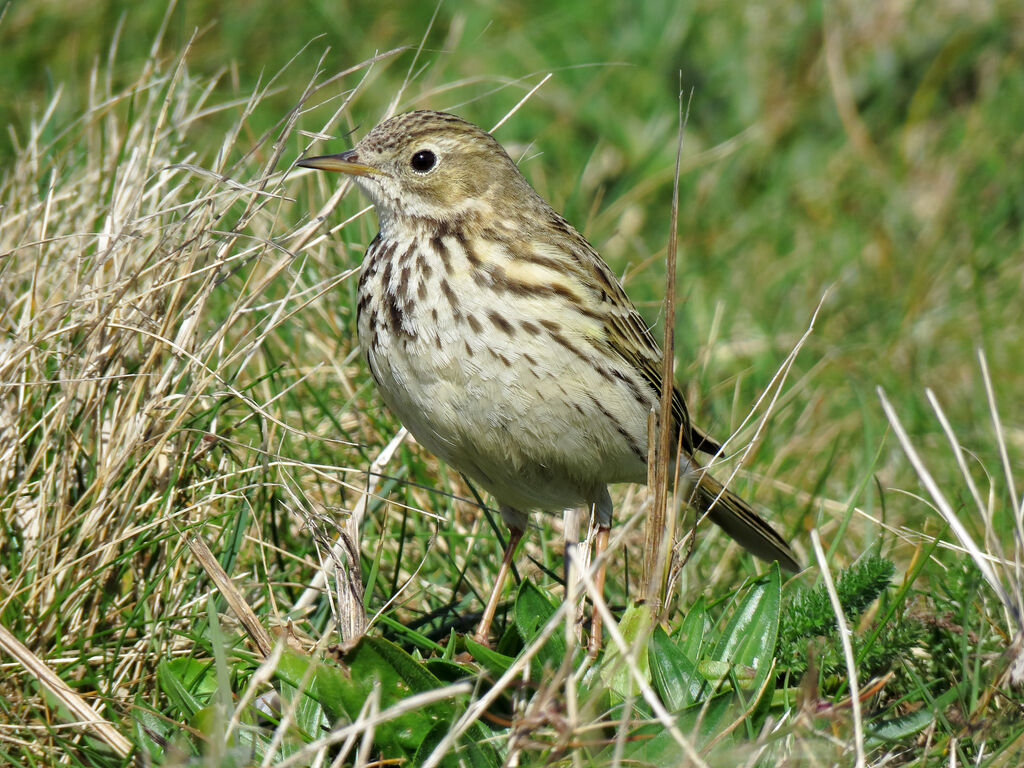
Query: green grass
<point>178,358</point>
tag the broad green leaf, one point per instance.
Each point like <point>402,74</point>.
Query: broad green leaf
<point>208,720</point>
<point>705,720</point>
<point>898,728</point>
<point>654,744</point>
<point>635,628</point>
<point>338,693</point>
<point>533,609</point>
<point>309,713</point>
<point>495,662</point>
<point>716,672</point>
<point>293,666</point>
<point>375,663</point>
<point>690,636</point>
<point>510,642</point>
<point>152,732</point>
<point>880,733</point>
<point>750,636</point>
<point>410,636</point>
<point>472,750</point>
<point>383,656</point>
<point>447,671</point>
<point>324,684</point>
<point>647,746</point>
<point>675,675</point>
<point>188,683</point>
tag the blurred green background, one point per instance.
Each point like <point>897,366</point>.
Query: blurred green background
<point>868,152</point>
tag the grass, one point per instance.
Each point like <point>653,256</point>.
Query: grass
<point>178,365</point>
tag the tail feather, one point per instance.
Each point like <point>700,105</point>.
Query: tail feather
<point>734,516</point>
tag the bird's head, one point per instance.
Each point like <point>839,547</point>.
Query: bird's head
<point>431,166</point>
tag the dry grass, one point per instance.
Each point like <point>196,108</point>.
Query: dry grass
<point>145,374</point>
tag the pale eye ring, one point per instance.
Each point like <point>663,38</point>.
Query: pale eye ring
<point>423,160</point>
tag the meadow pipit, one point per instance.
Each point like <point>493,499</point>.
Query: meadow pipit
<point>502,340</point>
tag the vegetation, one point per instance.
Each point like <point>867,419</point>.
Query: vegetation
<point>186,427</point>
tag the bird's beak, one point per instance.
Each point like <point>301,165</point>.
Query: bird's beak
<point>346,162</point>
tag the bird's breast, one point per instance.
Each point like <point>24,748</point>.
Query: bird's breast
<point>497,366</point>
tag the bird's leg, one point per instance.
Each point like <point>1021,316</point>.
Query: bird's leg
<point>603,518</point>
<point>600,545</point>
<point>514,536</point>
<point>575,559</point>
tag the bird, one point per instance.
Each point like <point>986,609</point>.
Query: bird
<point>505,344</point>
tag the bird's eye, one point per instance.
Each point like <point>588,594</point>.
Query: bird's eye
<point>423,161</point>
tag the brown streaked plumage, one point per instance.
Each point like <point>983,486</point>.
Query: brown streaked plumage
<point>503,341</point>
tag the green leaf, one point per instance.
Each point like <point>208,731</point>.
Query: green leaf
<point>317,680</point>
<point>152,732</point>
<point>510,642</point>
<point>472,752</point>
<point>881,733</point>
<point>410,636</point>
<point>208,721</point>
<point>635,627</point>
<point>750,636</point>
<point>292,667</point>
<point>715,672</point>
<point>654,745</point>
<point>447,671</point>
<point>533,610</point>
<point>693,629</point>
<point>309,713</point>
<point>705,720</point>
<point>188,683</point>
<point>495,662</point>
<point>898,728</point>
<point>675,675</point>
<point>451,647</point>
<point>374,654</point>
<point>374,664</point>
<point>647,746</point>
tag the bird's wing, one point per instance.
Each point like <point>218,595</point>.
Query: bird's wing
<point>628,335</point>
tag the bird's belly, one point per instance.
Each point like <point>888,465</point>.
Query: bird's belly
<point>495,397</point>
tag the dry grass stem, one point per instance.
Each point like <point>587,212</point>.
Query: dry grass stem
<point>89,719</point>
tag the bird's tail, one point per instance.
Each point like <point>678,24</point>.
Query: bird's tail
<point>734,516</point>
